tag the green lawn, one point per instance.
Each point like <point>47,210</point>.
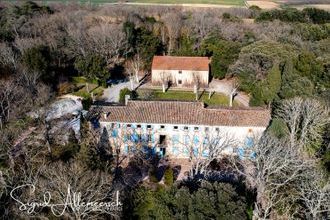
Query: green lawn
<point>80,82</point>
<point>217,99</point>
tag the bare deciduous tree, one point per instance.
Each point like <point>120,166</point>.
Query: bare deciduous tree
<point>274,168</point>
<point>173,23</point>
<point>70,187</point>
<point>135,65</point>
<point>7,56</point>
<point>165,78</point>
<point>107,40</point>
<point>233,92</point>
<point>314,192</point>
<point>196,81</point>
<point>305,120</point>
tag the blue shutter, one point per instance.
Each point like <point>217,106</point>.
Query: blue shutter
<point>249,142</point>
<point>196,140</point>
<point>175,139</point>
<point>186,140</point>
<point>253,156</point>
<point>240,152</point>
<point>195,151</point>
<point>205,153</point>
<point>114,133</point>
<point>186,151</point>
<point>126,149</point>
<point>175,150</point>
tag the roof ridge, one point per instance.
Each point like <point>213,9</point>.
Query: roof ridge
<point>182,56</point>
<point>175,101</point>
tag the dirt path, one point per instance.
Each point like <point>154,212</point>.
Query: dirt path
<point>179,5</point>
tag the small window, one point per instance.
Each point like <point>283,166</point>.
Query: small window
<point>149,126</point>
<point>216,129</point>
<point>206,129</point>
<point>138,126</point>
<point>129,125</point>
<point>185,128</point>
<point>180,82</point>
<point>180,71</point>
<point>196,128</point>
<point>162,126</point>
<point>175,127</point>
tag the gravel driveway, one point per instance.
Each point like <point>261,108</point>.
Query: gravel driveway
<point>225,86</point>
<point>111,94</point>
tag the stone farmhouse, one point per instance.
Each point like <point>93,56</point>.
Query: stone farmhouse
<point>179,129</point>
<point>180,71</point>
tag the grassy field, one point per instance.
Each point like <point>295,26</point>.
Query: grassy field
<point>217,99</point>
<point>97,2</point>
<point>93,87</point>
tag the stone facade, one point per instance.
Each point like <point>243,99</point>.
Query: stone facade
<point>180,129</point>
<point>175,140</point>
<point>180,71</point>
<point>180,78</point>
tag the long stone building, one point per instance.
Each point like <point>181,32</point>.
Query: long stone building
<point>180,71</point>
<point>179,129</point>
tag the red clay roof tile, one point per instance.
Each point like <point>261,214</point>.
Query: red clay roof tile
<point>180,63</point>
<point>190,113</point>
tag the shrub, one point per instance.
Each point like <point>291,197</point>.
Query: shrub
<point>87,102</point>
<point>317,16</point>
<point>126,91</point>
<point>278,128</point>
<point>168,176</point>
<point>38,59</point>
<point>153,175</point>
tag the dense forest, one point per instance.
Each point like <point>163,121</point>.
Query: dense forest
<point>281,58</point>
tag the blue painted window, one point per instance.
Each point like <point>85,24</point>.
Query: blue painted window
<point>205,153</point>
<point>196,140</point>
<point>253,155</point>
<point>125,138</point>
<point>145,137</point>
<point>149,137</point>
<point>240,152</point>
<point>126,149</point>
<point>186,151</point>
<point>186,140</point>
<point>114,133</point>
<point>249,142</point>
<point>134,137</point>
<point>175,150</point>
<point>206,141</point>
<point>175,139</point>
<point>216,141</point>
<point>195,151</point>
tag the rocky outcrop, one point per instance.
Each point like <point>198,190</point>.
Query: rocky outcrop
<point>63,117</point>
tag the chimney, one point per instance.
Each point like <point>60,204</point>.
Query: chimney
<point>127,97</point>
<point>105,115</point>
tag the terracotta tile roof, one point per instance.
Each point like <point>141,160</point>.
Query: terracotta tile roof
<point>180,63</point>
<point>190,113</point>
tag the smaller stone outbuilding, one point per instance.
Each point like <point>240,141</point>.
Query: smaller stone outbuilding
<point>180,71</point>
